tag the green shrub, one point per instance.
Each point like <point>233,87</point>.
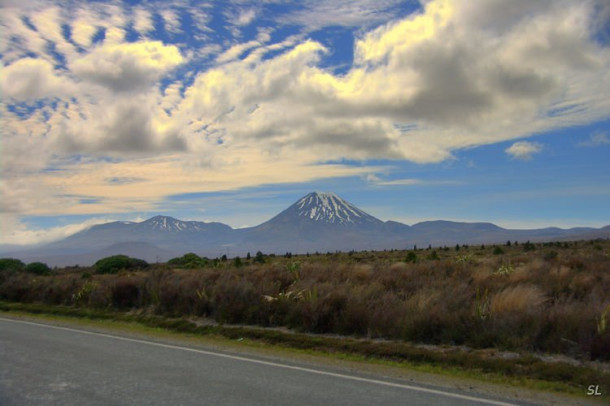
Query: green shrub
<point>189,261</point>
<point>117,263</point>
<point>434,256</point>
<point>11,265</point>
<point>528,246</point>
<point>411,257</point>
<point>38,268</point>
<point>551,256</point>
<point>260,257</point>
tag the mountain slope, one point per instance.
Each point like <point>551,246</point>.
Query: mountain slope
<point>316,222</point>
<point>162,231</point>
<point>142,250</point>
<point>328,208</point>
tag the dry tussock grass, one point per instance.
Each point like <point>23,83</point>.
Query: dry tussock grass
<point>482,273</point>
<point>536,263</point>
<point>564,272</point>
<point>519,298</point>
<point>423,300</point>
<point>521,274</point>
<point>399,267</point>
<point>582,284</point>
<point>362,272</point>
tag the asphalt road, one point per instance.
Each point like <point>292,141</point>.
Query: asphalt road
<point>48,365</point>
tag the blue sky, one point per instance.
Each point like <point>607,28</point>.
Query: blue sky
<point>495,110</point>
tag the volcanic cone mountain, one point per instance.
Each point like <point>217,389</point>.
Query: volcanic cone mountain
<point>322,222</point>
<point>318,208</point>
<point>318,222</point>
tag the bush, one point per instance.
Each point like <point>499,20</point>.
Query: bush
<point>411,257</point>
<point>434,256</point>
<point>189,261</point>
<point>498,251</point>
<point>11,265</point>
<point>126,292</point>
<point>551,255</point>
<point>528,246</point>
<point>260,257</point>
<point>38,268</point>
<point>117,263</point>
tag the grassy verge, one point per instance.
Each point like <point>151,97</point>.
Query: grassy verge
<point>523,371</point>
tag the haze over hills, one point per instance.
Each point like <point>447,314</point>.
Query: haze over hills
<point>317,222</point>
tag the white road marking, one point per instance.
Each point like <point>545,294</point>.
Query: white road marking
<point>273,364</point>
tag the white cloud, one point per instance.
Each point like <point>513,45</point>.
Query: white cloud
<point>171,20</point>
<point>134,126</point>
<point>128,67</point>
<point>88,19</point>
<point>48,23</point>
<point>23,42</point>
<point>206,50</point>
<point>523,150</point>
<point>236,51</point>
<point>377,181</point>
<point>596,139</point>
<point>142,21</point>
<point>200,17</point>
<point>18,233</point>
<point>245,17</point>
<point>153,179</point>
<point>84,28</point>
<point>31,79</point>
<point>401,182</point>
<point>315,14</point>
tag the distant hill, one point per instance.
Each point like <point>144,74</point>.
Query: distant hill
<point>316,222</point>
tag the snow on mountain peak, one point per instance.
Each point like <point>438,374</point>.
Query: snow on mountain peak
<point>329,208</point>
<point>166,223</point>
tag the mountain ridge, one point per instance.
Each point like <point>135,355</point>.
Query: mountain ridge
<point>318,221</point>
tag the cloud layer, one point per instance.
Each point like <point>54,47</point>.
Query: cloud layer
<point>101,92</point>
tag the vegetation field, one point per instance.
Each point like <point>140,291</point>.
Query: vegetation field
<point>510,307</point>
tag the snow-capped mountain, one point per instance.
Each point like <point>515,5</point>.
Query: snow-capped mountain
<point>168,224</point>
<point>316,222</point>
<point>330,208</point>
<point>158,236</point>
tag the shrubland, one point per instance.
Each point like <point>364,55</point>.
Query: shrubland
<point>545,298</point>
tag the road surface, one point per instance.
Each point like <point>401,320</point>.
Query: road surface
<point>42,364</point>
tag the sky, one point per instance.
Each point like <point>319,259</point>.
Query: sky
<point>494,110</point>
